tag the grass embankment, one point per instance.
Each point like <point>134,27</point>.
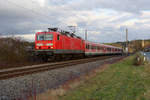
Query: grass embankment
<point>120,81</point>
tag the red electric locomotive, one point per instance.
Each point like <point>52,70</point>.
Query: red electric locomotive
<point>62,44</point>
<point>55,43</point>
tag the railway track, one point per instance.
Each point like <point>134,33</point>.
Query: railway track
<point>15,72</point>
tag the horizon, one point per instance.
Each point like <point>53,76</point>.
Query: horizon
<point>31,38</point>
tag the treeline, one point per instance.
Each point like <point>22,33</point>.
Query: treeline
<point>135,45</point>
<point>13,51</point>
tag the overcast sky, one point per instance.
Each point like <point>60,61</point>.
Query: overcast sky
<point>105,20</point>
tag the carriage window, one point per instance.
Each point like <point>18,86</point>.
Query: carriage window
<point>108,49</point>
<point>86,46</point>
<point>97,47</point>
<point>90,47</point>
<point>101,48</point>
<point>58,37</point>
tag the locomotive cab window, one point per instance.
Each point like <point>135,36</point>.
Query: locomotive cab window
<point>48,37</point>
<point>40,37</point>
<point>44,37</point>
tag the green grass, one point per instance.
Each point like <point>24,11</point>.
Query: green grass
<point>120,81</point>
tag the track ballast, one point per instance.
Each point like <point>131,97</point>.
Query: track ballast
<point>15,72</point>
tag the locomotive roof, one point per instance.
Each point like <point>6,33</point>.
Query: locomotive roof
<point>63,32</point>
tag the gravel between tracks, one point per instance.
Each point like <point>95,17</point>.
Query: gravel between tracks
<point>22,87</point>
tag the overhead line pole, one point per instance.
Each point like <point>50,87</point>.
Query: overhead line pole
<point>126,40</point>
<point>126,35</point>
<point>86,34</point>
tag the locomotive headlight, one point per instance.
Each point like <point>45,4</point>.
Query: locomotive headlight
<point>37,47</point>
<point>49,44</point>
<point>39,44</point>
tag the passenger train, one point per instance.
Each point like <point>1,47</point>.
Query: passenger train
<point>56,43</point>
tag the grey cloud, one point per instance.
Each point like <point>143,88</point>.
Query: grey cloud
<point>15,19</point>
<point>133,6</point>
<point>18,19</point>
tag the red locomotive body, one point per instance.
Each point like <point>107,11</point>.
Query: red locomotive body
<point>54,43</point>
<point>59,43</point>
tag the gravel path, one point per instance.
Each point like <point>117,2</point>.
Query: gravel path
<point>25,86</point>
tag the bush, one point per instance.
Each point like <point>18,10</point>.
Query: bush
<point>12,50</point>
<point>140,60</point>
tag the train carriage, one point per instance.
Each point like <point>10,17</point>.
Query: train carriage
<point>100,49</point>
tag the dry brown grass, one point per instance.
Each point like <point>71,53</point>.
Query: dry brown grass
<point>54,94</point>
<point>147,68</point>
<point>12,52</point>
<point>140,60</point>
<point>11,49</point>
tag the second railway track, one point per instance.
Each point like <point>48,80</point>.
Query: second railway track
<point>15,72</point>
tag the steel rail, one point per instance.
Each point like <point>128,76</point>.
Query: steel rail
<point>15,72</point>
